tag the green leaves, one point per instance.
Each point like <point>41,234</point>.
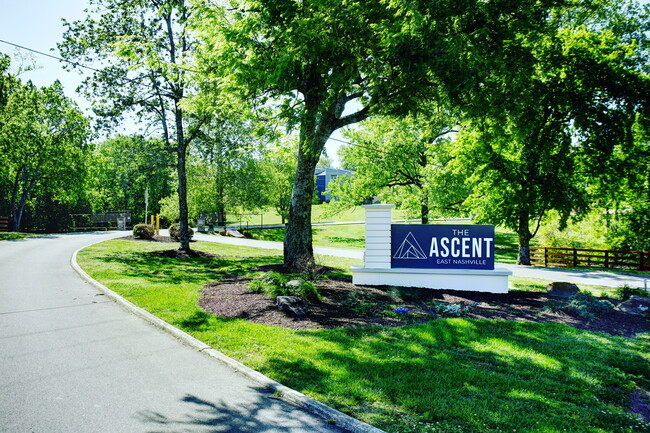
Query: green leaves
<point>44,141</point>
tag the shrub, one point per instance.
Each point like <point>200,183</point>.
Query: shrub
<point>175,231</point>
<point>583,231</point>
<point>626,292</point>
<point>452,310</point>
<point>271,284</point>
<point>305,290</point>
<point>143,231</point>
<point>257,286</point>
<point>588,306</point>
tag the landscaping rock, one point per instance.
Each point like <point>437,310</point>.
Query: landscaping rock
<point>295,284</point>
<point>560,289</point>
<point>638,305</point>
<point>234,234</point>
<point>292,304</point>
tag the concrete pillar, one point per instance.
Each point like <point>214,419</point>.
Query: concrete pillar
<point>378,221</point>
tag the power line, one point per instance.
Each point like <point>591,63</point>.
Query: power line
<point>97,70</point>
<point>49,55</point>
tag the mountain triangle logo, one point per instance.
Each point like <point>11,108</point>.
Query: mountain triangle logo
<point>410,249</point>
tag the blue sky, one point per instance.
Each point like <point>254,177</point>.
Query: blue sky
<point>36,24</point>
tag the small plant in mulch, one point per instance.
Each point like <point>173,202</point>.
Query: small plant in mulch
<point>582,304</point>
<point>400,312</point>
<point>451,310</point>
<point>360,302</point>
<point>626,292</point>
<point>588,306</point>
<point>274,284</point>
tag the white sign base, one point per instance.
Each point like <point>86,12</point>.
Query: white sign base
<point>376,270</point>
<point>491,281</point>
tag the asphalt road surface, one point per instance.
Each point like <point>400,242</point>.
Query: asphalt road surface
<point>73,361</point>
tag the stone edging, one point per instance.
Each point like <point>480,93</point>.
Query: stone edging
<point>292,396</point>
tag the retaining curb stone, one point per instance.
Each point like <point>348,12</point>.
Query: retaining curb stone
<point>287,394</point>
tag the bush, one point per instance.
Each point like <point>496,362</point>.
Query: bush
<point>626,292</point>
<point>450,310</point>
<point>143,231</point>
<point>631,230</point>
<point>588,306</point>
<point>175,231</point>
<point>585,231</point>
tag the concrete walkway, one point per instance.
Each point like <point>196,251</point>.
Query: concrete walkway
<point>73,361</point>
<point>598,278</point>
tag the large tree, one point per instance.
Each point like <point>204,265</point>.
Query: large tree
<point>312,59</point>
<point>44,140</point>
<point>558,119</point>
<point>144,51</point>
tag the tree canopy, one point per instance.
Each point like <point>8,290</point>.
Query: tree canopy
<point>399,159</point>
<point>310,60</point>
<point>44,142</point>
<point>573,103</point>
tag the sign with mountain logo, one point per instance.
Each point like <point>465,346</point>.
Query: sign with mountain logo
<point>438,246</point>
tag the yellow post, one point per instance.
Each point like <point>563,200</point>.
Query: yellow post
<point>151,220</point>
<point>158,225</point>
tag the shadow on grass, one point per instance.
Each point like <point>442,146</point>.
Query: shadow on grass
<point>185,270</point>
<point>475,376</point>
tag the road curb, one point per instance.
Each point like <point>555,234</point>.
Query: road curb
<point>290,395</point>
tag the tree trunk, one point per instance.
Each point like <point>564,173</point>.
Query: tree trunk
<point>317,124</point>
<point>17,209</point>
<point>298,250</point>
<point>182,182</point>
<point>424,210</point>
<point>523,232</point>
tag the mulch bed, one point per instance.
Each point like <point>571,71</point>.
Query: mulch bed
<point>346,305</point>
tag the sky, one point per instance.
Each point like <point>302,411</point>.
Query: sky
<point>36,24</point>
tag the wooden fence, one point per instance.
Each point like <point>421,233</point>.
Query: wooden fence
<point>580,257</point>
<point>4,224</point>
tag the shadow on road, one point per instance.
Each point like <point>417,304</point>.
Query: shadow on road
<point>265,415</point>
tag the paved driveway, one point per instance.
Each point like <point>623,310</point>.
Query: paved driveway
<point>73,361</point>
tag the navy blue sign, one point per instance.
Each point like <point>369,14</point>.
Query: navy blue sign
<point>442,246</point>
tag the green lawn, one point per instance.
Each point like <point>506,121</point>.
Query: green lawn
<point>448,375</point>
<point>320,213</point>
<point>11,236</point>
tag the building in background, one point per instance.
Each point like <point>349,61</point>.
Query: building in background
<point>323,177</point>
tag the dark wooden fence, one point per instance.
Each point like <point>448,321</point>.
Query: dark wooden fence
<point>580,257</point>
<point>4,224</point>
<point>118,220</point>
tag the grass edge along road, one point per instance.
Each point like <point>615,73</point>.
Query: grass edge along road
<point>448,375</point>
